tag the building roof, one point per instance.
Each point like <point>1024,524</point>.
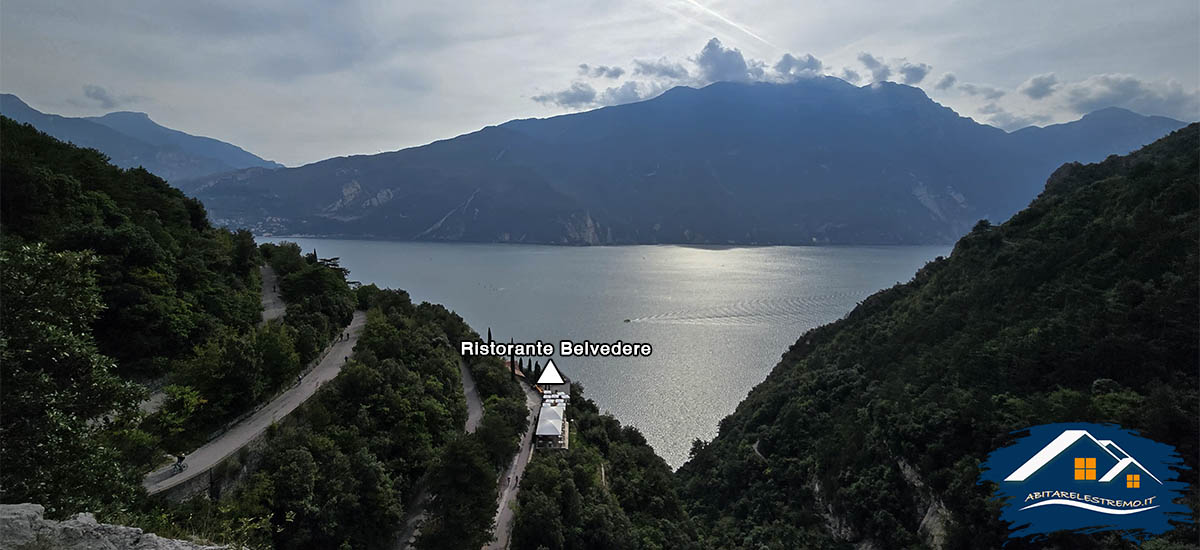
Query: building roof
<point>556,412</point>
<point>549,426</point>
<point>550,375</point>
<point>550,420</point>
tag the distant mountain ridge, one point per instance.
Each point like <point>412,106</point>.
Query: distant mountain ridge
<point>131,139</point>
<point>815,161</point>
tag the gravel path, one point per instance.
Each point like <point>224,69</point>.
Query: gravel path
<point>273,308</point>
<point>474,404</point>
<point>272,303</point>
<point>508,496</point>
<point>211,453</point>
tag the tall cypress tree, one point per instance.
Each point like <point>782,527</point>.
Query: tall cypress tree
<point>512,361</point>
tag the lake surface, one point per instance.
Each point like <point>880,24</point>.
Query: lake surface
<point>718,318</point>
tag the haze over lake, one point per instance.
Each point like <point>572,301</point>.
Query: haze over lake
<point>718,318</point>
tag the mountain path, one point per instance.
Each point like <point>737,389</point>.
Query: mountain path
<point>411,525</point>
<point>208,455</point>
<point>508,496</point>
<point>273,308</point>
<point>272,303</point>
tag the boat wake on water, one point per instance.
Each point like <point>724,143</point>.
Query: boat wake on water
<point>799,309</point>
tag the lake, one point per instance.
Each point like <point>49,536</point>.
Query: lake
<point>718,318</point>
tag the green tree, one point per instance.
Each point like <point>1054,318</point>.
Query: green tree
<point>58,394</point>
<point>176,416</point>
<point>462,510</point>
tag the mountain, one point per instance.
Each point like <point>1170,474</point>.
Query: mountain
<point>132,139</point>
<point>870,431</point>
<point>139,126</point>
<point>814,161</point>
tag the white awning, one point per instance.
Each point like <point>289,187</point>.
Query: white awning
<point>550,426</point>
<point>555,413</point>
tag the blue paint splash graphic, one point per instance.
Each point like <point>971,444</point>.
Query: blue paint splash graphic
<point>1087,478</point>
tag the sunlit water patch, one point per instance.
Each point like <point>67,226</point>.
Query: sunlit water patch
<point>718,318</point>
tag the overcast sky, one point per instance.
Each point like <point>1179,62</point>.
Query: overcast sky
<point>298,81</point>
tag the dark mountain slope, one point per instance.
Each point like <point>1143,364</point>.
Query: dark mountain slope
<point>131,140</point>
<point>818,160</point>
<point>1082,307</point>
<point>168,279</point>
<point>139,126</point>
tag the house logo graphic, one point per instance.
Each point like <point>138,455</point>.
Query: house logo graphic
<point>1087,478</point>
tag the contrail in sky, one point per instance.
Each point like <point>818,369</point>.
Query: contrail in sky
<point>730,22</point>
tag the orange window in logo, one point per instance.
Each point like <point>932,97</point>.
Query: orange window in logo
<point>1133,481</point>
<point>1085,469</point>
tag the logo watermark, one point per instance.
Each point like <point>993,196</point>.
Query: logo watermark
<point>1087,478</point>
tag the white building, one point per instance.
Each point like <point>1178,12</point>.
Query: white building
<point>553,430</point>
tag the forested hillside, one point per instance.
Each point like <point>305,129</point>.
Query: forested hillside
<point>609,491</point>
<point>112,279</point>
<point>346,467</point>
<point>112,276</point>
<point>871,430</point>
<point>109,275</point>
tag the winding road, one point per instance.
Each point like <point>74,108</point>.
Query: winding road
<point>508,496</point>
<point>210,454</point>
<point>273,308</point>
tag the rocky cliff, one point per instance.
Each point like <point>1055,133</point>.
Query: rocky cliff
<point>22,527</point>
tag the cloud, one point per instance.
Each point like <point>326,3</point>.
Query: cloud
<point>879,70</point>
<point>850,75</point>
<point>718,63</point>
<point>914,74</point>
<point>663,68</point>
<point>628,92</point>
<point>1122,90</point>
<point>578,95</point>
<point>1010,121</point>
<point>581,95</point>
<point>98,95</point>
<point>601,71</point>
<point>1039,86</point>
<point>946,81</point>
<point>987,92</point>
<point>792,66</point>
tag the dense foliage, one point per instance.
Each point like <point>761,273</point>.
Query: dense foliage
<point>108,275</point>
<point>62,399</point>
<point>607,491</point>
<point>111,275</point>
<point>1082,307</point>
<point>178,299</point>
<point>234,370</point>
<point>464,481</point>
<point>167,279</point>
<point>341,471</point>
<point>319,301</point>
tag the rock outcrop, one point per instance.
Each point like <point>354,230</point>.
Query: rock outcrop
<point>22,527</point>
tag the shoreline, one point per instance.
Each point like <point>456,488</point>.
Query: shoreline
<point>700,246</point>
